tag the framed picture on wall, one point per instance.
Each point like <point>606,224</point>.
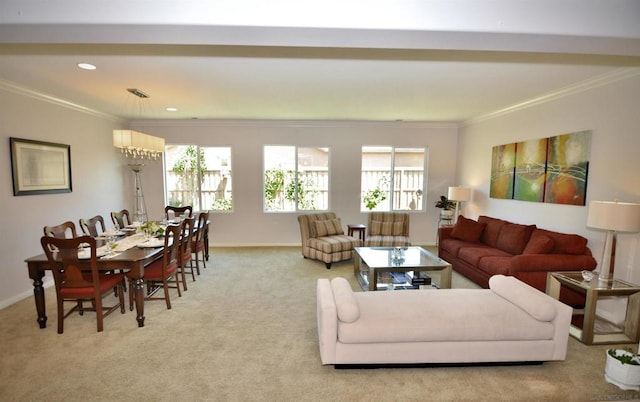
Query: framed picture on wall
<point>39,167</point>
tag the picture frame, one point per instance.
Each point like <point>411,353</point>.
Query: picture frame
<point>39,167</point>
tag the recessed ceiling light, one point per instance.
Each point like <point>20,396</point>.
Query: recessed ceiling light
<point>86,66</point>
<point>171,109</point>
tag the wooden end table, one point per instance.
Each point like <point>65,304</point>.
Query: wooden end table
<point>357,227</point>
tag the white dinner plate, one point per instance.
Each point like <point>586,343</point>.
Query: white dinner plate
<point>85,254</point>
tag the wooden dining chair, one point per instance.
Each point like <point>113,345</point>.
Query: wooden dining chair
<point>186,239</point>
<point>121,218</point>
<point>159,273</point>
<point>61,231</point>
<point>177,211</point>
<point>199,242</point>
<point>76,285</point>
<point>90,226</point>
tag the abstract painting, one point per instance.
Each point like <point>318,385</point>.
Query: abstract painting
<point>502,170</point>
<point>551,170</point>
<point>567,168</point>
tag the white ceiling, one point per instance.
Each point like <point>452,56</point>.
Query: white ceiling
<point>446,61</point>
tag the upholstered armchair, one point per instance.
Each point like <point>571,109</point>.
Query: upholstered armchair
<point>388,229</point>
<point>323,238</point>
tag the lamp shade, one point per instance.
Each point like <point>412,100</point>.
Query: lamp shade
<point>459,194</point>
<point>614,215</point>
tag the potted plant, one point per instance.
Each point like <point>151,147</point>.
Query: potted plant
<point>447,206</point>
<point>623,369</point>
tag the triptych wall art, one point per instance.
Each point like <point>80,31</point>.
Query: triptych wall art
<point>552,170</point>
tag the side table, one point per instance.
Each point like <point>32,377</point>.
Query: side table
<point>357,227</point>
<point>593,290</point>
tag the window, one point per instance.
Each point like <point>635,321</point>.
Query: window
<point>296,179</point>
<point>392,178</point>
<point>198,176</point>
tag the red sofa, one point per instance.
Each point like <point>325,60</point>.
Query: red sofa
<point>491,246</point>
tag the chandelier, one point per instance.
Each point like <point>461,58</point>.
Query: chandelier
<point>134,144</point>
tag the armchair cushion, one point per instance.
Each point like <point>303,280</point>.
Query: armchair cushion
<point>392,228</point>
<point>329,227</point>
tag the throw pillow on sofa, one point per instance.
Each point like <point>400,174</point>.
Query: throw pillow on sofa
<point>539,244</point>
<point>329,227</point>
<point>514,237</point>
<point>467,230</point>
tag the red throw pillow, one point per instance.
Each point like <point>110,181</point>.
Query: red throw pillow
<point>539,244</point>
<point>467,230</point>
<point>514,237</point>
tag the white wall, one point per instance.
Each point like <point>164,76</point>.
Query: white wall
<point>98,178</point>
<point>248,224</point>
<point>611,112</point>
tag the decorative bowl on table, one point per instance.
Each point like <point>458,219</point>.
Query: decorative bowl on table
<point>587,275</point>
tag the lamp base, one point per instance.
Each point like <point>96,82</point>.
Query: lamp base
<point>608,258</point>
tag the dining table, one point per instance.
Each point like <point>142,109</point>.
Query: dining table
<point>132,253</point>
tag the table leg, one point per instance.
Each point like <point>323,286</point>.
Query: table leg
<point>138,292</point>
<point>445,277</point>
<point>38,295</point>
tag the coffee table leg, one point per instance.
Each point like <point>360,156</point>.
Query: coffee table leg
<point>445,278</point>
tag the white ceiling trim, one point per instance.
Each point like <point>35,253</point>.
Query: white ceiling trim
<point>17,89</point>
<point>604,79</point>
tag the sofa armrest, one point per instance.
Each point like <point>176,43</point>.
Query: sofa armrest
<point>444,232</point>
<point>327,317</point>
<point>551,263</point>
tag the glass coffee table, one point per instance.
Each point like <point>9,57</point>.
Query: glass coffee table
<point>370,263</point>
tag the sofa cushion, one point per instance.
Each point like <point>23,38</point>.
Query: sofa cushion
<point>537,304</point>
<point>467,230</point>
<point>539,243</point>
<point>566,243</point>
<point>328,227</point>
<point>494,265</point>
<point>346,303</point>
<point>514,237</point>
<point>491,230</point>
<point>472,254</point>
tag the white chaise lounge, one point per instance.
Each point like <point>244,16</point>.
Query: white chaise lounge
<point>509,322</point>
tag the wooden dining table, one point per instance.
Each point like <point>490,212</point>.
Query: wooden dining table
<point>133,260</point>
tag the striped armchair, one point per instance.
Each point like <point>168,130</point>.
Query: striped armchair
<point>323,238</point>
<point>388,229</point>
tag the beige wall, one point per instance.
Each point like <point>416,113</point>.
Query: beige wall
<point>248,225</point>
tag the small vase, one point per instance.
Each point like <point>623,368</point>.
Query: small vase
<point>624,376</point>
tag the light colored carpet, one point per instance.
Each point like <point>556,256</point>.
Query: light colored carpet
<point>246,331</point>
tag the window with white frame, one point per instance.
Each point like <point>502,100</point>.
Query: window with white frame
<point>198,176</point>
<point>393,178</point>
<point>296,178</point>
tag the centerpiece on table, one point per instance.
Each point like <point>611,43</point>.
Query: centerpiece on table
<point>623,369</point>
<point>151,229</point>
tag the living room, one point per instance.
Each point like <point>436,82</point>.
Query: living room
<point>459,153</point>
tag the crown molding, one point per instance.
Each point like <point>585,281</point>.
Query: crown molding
<point>19,90</point>
<point>592,83</point>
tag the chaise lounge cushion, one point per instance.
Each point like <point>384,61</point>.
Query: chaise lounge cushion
<point>346,303</point>
<point>536,304</point>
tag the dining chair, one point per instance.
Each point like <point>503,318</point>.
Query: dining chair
<point>74,284</point>
<point>158,274</point>
<point>199,241</point>
<point>177,211</point>
<point>186,239</point>
<point>121,218</point>
<point>61,231</point>
<point>90,226</point>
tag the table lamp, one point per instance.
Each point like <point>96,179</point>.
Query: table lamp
<point>458,194</point>
<point>614,217</point>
